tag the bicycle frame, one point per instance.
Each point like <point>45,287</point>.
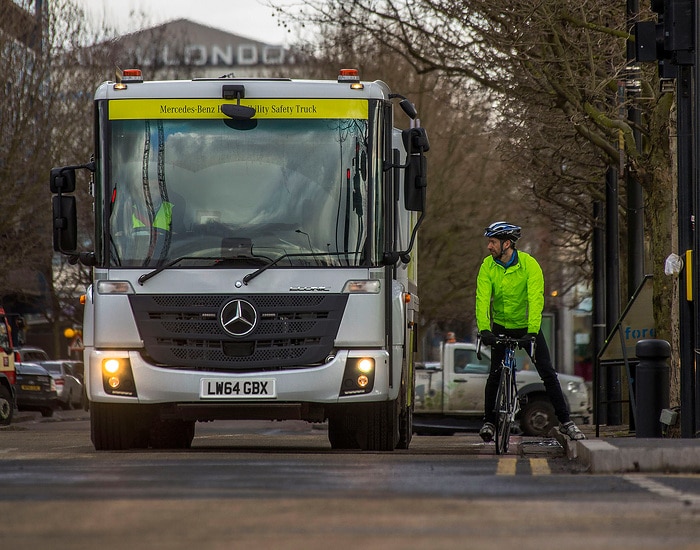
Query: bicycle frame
<point>507,403</point>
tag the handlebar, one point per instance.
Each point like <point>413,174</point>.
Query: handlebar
<point>526,343</point>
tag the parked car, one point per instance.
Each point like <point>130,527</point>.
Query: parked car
<point>30,354</point>
<point>450,393</point>
<point>69,385</point>
<point>79,371</point>
<point>35,389</point>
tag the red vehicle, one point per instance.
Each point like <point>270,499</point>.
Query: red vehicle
<point>7,372</point>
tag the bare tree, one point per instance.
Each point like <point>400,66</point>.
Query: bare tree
<point>555,66</point>
<point>45,121</point>
<point>467,184</point>
<point>23,145</point>
<point>52,64</point>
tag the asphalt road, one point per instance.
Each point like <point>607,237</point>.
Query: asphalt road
<point>279,485</point>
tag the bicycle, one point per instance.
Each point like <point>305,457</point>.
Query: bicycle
<point>507,402</point>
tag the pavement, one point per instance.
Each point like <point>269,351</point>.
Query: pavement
<point>617,450</point>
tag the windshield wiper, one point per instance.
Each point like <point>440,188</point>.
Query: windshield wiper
<point>143,278</point>
<point>257,272</point>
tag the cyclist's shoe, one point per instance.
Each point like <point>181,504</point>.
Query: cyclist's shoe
<point>487,431</point>
<point>572,431</point>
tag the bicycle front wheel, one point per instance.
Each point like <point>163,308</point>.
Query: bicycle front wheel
<point>504,417</point>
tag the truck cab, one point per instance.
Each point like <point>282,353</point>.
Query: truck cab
<point>253,257</point>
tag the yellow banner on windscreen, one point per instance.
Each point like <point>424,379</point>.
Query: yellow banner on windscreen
<point>140,109</point>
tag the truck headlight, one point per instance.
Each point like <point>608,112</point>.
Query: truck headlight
<point>358,377</point>
<point>117,378</point>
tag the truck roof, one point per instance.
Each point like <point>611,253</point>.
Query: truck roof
<point>254,88</point>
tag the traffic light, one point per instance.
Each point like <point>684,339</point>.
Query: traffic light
<point>669,41</point>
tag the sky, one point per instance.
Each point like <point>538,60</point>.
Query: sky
<point>247,18</point>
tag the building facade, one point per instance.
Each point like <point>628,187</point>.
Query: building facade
<point>185,49</point>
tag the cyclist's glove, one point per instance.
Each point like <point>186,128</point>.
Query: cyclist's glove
<point>488,338</point>
<point>532,337</point>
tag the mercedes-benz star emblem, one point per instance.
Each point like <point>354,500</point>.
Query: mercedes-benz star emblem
<point>238,317</point>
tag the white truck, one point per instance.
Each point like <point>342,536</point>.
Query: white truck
<point>450,393</point>
<point>252,258</point>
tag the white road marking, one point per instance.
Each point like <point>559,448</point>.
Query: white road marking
<point>663,490</point>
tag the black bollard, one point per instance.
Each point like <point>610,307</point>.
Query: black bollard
<point>652,381</point>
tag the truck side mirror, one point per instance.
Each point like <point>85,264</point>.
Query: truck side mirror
<point>65,224</point>
<point>65,213</point>
<point>415,175</point>
<point>414,183</point>
<point>62,180</point>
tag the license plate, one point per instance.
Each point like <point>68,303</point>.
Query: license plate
<point>27,387</point>
<point>226,388</point>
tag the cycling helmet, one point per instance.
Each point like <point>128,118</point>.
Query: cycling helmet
<point>503,231</point>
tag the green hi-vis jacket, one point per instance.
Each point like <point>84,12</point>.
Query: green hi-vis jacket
<point>516,294</point>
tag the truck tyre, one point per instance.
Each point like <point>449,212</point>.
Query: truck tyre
<point>537,417</point>
<point>341,430</point>
<point>117,427</point>
<point>7,406</point>
<point>378,429</point>
<point>406,414</point>
<point>172,434</point>
<point>47,412</point>
<point>405,428</point>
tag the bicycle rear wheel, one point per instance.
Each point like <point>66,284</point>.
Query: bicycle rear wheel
<point>503,413</point>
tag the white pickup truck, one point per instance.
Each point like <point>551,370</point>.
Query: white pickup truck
<point>450,394</point>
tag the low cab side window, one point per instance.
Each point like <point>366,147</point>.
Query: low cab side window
<point>466,362</point>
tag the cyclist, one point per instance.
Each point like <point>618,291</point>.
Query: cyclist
<point>510,295</point>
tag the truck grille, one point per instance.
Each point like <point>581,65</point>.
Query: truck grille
<point>185,331</point>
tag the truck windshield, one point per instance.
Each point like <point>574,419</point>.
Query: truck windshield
<point>204,189</point>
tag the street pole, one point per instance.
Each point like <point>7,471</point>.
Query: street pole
<point>635,199</point>
<point>693,376</point>
<point>612,289</point>
<point>598,313</point>
<point>686,317</point>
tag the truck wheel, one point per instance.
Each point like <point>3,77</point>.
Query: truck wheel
<point>537,417</point>
<point>341,432</point>
<point>406,416</point>
<point>378,426</point>
<point>172,434</point>
<point>7,407</point>
<point>405,428</point>
<point>116,426</point>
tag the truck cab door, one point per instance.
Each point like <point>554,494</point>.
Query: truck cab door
<point>465,382</point>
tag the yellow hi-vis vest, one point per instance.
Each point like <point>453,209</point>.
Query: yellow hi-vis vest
<point>163,219</point>
<point>164,216</point>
